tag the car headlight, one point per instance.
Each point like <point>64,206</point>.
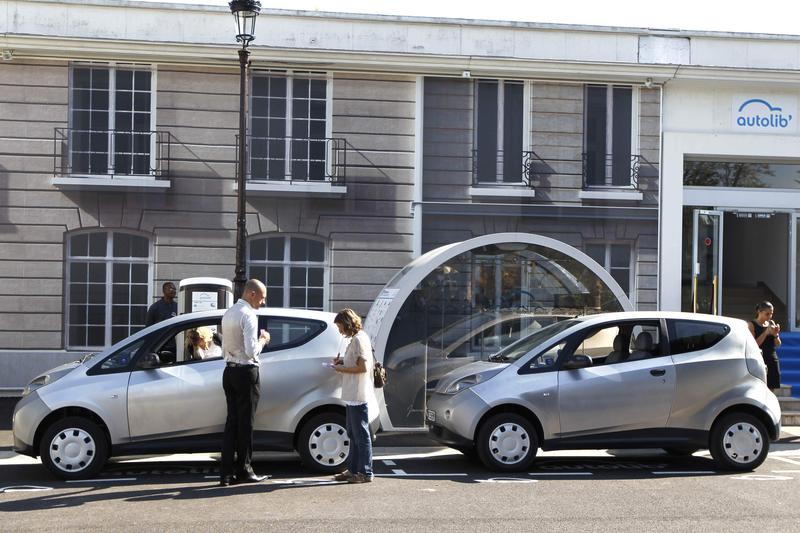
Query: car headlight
<point>37,383</point>
<point>462,384</point>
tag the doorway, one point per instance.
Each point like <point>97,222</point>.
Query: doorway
<point>736,259</point>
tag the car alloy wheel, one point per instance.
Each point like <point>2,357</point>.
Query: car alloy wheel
<point>507,441</point>
<point>739,441</point>
<point>74,448</point>
<point>323,443</point>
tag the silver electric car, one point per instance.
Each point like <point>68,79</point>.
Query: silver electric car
<point>676,381</point>
<point>152,393</point>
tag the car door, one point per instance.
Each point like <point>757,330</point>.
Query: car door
<point>178,399</point>
<point>634,393</point>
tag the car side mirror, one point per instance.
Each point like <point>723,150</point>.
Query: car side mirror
<point>577,361</point>
<point>149,360</point>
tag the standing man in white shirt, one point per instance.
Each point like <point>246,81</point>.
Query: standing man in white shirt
<point>241,344</point>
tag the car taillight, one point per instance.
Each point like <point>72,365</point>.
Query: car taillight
<point>755,362</point>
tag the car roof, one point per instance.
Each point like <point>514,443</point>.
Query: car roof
<point>675,315</point>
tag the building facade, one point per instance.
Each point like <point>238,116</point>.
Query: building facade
<point>371,140</point>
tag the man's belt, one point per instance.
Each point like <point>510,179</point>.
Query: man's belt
<point>231,364</point>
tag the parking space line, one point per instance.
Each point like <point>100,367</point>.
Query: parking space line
<point>786,471</point>
<point>560,473</point>
<point>787,460</point>
<point>107,480</point>
<point>388,462</point>
<point>681,472</point>
<point>415,474</point>
<point>399,472</point>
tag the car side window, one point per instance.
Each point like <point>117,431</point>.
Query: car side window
<point>548,358</point>
<point>192,342</point>
<point>121,359</point>
<point>694,335</point>
<point>289,332</point>
<point>622,342</point>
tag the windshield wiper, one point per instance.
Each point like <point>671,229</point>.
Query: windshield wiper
<point>498,358</point>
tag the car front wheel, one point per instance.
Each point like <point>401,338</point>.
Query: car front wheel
<point>323,443</point>
<point>507,442</point>
<point>739,441</point>
<point>74,448</point>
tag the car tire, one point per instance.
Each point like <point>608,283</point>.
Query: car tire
<point>74,448</point>
<point>323,444</point>
<point>507,442</point>
<point>680,452</point>
<point>739,441</point>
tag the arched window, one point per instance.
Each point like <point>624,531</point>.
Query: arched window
<point>294,269</point>
<point>108,286</point>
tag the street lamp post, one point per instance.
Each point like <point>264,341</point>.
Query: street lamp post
<point>245,12</point>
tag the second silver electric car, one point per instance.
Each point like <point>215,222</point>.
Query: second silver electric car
<point>676,381</point>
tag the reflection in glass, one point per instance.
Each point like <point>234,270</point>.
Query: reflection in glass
<point>741,174</point>
<point>473,306</point>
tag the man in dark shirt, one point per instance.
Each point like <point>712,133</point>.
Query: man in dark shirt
<point>165,308</point>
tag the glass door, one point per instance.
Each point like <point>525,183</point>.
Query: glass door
<point>707,262</point>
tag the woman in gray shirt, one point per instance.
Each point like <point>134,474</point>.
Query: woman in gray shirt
<point>357,388</point>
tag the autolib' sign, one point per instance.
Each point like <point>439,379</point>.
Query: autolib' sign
<point>771,114</point>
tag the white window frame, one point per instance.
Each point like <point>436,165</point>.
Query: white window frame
<point>634,141</point>
<point>290,76</point>
<point>526,123</point>
<point>606,264</point>
<point>112,67</point>
<point>109,259</point>
<point>287,263</point>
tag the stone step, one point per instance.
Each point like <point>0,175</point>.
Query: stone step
<point>790,418</point>
<point>784,392</point>
<point>789,404</point>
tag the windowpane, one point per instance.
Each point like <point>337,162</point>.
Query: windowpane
<point>141,101</point>
<point>300,88</point>
<point>78,293</point>
<point>77,335</point>
<point>621,136</point>
<point>316,129</point>
<point>80,99</point>
<point>124,102</point>
<point>124,80</point>
<point>259,107</point>
<point>138,314</point>
<point>96,314</point>
<point>99,99</point>
<point>277,107</point>
<point>97,272</point>
<point>318,88</point>
<point>139,294</point>
<point>97,293</point>
<point>300,109</point>
<point>140,246</point>
<point>79,245</point>
<point>259,85</point>
<point>595,142</point>
<point>597,252</point>
<point>299,249</point>
<point>512,132</point>
<point>487,131</point>
<point>258,249</point>
<point>316,251</point>
<point>77,314</point>
<point>274,297</point>
<point>316,277</point>
<point>317,109</point>
<point>122,245</point>
<point>623,278</point>
<point>120,314</point>
<point>99,79</point>
<point>277,86</point>
<point>297,277</point>
<point>139,272</point>
<point>297,297</point>
<point>121,272</point>
<point>142,80</point>
<point>95,336</point>
<point>620,255</point>
<point>120,293</point>
<point>275,248</point>
<point>275,276</point>
<point>315,299</point>
<point>78,272</point>
<point>81,78</point>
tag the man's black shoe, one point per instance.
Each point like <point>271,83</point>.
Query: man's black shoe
<point>224,481</point>
<point>250,478</point>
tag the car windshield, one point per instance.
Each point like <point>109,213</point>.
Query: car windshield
<point>523,346</point>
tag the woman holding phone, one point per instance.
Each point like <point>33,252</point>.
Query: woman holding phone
<point>767,334</point>
<point>357,387</point>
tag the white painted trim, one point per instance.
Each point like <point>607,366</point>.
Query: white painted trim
<point>676,145</point>
<point>416,204</point>
<point>794,221</point>
<point>505,191</point>
<point>527,118</point>
<point>117,183</point>
<point>612,194</point>
<point>293,188</point>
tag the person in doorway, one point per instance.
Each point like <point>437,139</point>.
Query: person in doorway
<point>767,334</point>
<point>165,308</point>
<point>241,345</point>
<point>357,388</point>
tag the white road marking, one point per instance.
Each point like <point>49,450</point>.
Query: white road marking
<point>102,480</point>
<point>24,488</point>
<point>507,480</point>
<point>387,462</point>
<point>786,471</point>
<point>762,477</point>
<point>787,460</point>
<point>399,472</point>
<point>560,473</point>
<point>681,472</point>
<point>415,474</point>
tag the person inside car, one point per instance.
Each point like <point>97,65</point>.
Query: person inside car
<point>200,344</point>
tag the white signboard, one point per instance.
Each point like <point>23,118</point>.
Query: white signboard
<point>204,301</point>
<point>755,113</point>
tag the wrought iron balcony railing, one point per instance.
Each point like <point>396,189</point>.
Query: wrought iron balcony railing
<point>292,159</point>
<point>525,169</point>
<point>615,170</point>
<point>111,153</point>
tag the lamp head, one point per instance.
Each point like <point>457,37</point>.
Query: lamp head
<point>245,12</point>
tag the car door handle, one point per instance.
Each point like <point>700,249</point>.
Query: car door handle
<point>658,372</point>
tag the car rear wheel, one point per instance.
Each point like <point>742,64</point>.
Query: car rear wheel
<point>739,441</point>
<point>323,443</point>
<point>74,448</point>
<point>507,442</point>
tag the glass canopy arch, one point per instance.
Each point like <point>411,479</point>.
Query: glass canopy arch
<point>464,301</point>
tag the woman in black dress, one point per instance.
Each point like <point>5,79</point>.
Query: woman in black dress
<point>767,334</point>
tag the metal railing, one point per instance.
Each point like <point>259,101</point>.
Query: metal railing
<point>293,159</point>
<point>496,173</point>
<point>111,153</point>
<point>615,170</point>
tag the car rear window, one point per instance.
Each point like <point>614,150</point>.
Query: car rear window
<point>694,335</point>
<point>286,332</point>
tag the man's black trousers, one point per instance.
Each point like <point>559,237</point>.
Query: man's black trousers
<point>242,388</point>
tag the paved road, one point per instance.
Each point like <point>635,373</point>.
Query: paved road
<point>416,489</point>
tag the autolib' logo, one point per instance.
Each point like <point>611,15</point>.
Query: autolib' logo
<point>758,113</point>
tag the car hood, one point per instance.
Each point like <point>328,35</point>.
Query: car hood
<point>484,369</point>
<point>59,371</point>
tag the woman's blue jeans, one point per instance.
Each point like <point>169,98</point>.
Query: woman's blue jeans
<point>360,459</point>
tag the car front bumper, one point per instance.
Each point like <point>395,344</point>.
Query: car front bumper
<point>452,418</point>
<point>28,414</point>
